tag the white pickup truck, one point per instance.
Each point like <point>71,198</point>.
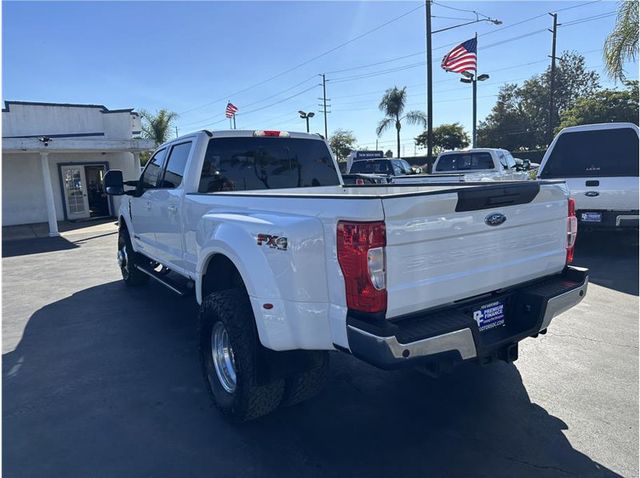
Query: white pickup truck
<point>599,162</point>
<point>480,164</point>
<point>287,263</point>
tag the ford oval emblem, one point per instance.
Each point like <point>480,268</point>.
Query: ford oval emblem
<point>495,219</point>
<point>592,194</point>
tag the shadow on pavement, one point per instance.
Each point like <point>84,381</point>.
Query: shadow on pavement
<point>107,382</point>
<point>612,258</point>
<point>25,247</point>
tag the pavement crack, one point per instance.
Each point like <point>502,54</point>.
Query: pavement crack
<point>541,467</point>
<point>590,339</point>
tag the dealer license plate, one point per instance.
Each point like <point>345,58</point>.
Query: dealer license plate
<point>489,316</point>
<point>591,217</point>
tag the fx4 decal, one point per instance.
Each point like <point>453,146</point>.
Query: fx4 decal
<point>274,242</point>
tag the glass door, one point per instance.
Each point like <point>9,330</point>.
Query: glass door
<point>75,192</point>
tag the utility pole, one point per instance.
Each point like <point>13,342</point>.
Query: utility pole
<point>429,84</point>
<point>324,104</point>
<point>376,144</point>
<point>552,79</point>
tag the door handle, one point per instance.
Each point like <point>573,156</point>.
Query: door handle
<point>172,208</point>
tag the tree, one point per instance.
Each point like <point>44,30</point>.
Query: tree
<point>342,142</point>
<point>388,154</point>
<point>622,43</point>
<point>604,106</point>
<point>392,105</point>
<point>520,118</point>
<point>445,137</point>
<point>157,126</point>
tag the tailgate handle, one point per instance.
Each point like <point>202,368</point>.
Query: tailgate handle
<point>593,183</point>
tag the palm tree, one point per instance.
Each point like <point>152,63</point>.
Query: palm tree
<point>392,105</point>
<point>622,42</point>
<point>157,126</point>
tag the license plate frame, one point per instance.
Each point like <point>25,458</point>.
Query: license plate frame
<point>589,216</point>
<point>490,315</point>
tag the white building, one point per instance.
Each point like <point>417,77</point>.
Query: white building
<point>54,157</point>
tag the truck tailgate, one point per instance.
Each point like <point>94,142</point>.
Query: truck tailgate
<point>616,194</point>
<point>440,247</point>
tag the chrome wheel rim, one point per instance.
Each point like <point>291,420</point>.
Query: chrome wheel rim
<point>223,359</point>
<point>123,260</point>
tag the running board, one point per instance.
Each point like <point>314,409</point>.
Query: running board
<point>180,289</point>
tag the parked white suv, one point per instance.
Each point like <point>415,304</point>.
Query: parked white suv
<point>288,263</point>
<point>600,165</point>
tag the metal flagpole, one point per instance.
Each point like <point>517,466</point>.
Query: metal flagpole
<point>475,97</point>
<point>234,121</point>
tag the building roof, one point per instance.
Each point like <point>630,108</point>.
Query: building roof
<point>103,109</point>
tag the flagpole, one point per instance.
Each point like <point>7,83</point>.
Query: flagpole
<point>475,97</point>
<point>234,121</point>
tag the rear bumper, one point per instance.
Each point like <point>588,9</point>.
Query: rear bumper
<point>452,335</point>
<point>610,219</point>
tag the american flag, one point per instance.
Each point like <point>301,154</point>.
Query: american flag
<point>462,58</point>
<point>230,112</point>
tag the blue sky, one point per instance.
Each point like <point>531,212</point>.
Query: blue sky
<point>191,57</point>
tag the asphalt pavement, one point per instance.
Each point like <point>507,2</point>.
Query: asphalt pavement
<point>101,380</point>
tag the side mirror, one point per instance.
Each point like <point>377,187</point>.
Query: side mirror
<point>113,183</point>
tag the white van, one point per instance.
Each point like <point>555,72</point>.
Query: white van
<point>600,164</point>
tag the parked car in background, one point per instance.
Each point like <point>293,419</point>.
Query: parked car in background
<point>480,164</point>
<point>600,165</point>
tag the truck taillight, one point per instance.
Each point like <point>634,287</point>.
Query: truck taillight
<point>361,255</point>
<point>572,230</point>
<point>278,134</point>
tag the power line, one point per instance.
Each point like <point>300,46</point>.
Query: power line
<point>589,19</point>
<point>306,62</point>
<point>256,102</point>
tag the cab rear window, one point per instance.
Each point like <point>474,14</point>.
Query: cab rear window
<point>372,167</point>
<point>597,153</point>
<point>464,162</point>
<point>245,164</point>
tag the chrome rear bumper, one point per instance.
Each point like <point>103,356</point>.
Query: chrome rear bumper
<point>452,334</point>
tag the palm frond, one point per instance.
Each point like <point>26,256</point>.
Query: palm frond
<point>393,101</point>
<point>416,117</point>
<point>384,125</point>
<point>622,44</point>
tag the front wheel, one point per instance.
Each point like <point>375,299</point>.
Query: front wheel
<point>127,259</point>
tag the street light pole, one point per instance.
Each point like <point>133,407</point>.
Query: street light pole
<point>429,84</point>
<point>473,79</point>
<point>305,116</point>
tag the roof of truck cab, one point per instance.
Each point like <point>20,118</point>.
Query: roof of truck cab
<point>598,126</point>
<point>471,150</point>
<point>250,133</point>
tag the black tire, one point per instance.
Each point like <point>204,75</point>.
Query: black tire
<point>251,396</point>
<point>302,386</point>
<point>130,274</point>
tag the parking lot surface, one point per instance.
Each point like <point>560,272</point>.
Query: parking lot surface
<point>103,380</point>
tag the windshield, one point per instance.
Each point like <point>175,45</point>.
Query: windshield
<point>372,167</point>
<point>597,153</point>
<point>464,162</point>
<point>244,164</point>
